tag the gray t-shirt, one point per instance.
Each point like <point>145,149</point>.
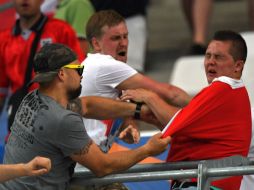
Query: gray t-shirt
<point>42,127</point>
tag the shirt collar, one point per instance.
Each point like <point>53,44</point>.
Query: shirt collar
<point>36,27</point>
<point>234,83</point>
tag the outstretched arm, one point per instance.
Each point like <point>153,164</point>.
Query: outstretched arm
<point>170,93</point>
<point>101,108</point>
<point>95,107</point>
<point>163,111</point>
<point>37,166</point>
<point>103,163</point>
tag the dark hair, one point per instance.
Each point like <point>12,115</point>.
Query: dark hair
<point>100,19</point>
<point>238,48</point>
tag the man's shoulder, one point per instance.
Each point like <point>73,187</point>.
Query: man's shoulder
<point>222,86</point>
<point>233,83</point>
<point>99,56</point>
<point>49,106</point>
<point>6,33</point>
<point>99,60</point>
<point>55,22</point>
<point>5,38</point>
<point>60,31</point>
<point>105,60</point>
<point>59,112</point>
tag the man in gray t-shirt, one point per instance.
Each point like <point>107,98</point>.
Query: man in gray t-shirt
<point>43,127</point>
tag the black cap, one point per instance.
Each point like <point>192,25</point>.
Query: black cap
<point>49,59</point>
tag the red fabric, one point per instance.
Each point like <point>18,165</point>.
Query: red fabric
<point>109,124</point>
<point>216,124</point>
<point>14,51</point>
<point>7,17</point>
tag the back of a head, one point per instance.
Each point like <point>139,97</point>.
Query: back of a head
<point>238,48</point>
<point>100,19</point>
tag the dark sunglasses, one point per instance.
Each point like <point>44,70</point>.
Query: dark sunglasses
<point>78,68</point>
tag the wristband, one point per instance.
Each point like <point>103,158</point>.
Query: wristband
<point>138,110</point>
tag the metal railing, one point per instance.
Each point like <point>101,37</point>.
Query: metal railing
<point>205,171</point>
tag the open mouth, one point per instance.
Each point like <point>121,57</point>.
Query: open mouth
<point>212,72</point>
<point>121,53</point>
<point>24,4</point>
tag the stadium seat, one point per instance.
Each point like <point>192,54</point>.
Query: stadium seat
<point>188,73</point>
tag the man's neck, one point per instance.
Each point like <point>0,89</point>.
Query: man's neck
<point>54,94</point>
<point>28,22</point>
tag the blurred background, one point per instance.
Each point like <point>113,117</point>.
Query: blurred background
<point>169,35</point>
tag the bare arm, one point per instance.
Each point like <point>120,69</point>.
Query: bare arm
<point>168,92</point>
<point>103,164</point>
<point>106,108</point>
<point>37,166</point>
<point>163,111</point>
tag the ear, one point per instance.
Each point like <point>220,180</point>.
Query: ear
<point>239,66</point>
<point>96,45</point>
<point>61,74</point>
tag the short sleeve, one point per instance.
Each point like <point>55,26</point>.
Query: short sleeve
<point>113,73</point>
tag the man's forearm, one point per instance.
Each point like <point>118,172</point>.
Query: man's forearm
<point>8,172</point>
<point>163,111</point>
<point>173,95</point>
<point>106,108</point>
